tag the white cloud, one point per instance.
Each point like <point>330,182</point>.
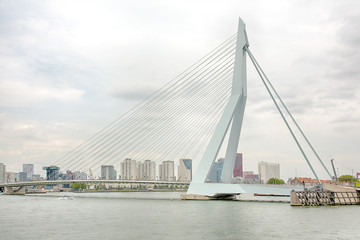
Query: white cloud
<point>73,58</point>
<point>24,94</point>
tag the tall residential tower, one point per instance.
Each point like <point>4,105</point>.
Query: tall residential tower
<point>128,169</point>
<point>166,171</point>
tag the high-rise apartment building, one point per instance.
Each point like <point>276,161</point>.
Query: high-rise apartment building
<point>37,177</point>
<point>268,170</point>
<point>149,170</point>
<point>251,175</point>
<point>146,170</point>
<point>238,168</point>
<point>128,169</point>
<point>29,169</point>
<point>108,172</point>
<point>140,171</point>
<point>185,170</point>
<point>166,171</point>
<point>2,173</point>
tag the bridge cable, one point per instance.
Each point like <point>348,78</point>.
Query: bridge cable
<point>291,116</point>
<point>160,137</point>
<point>110,126</point>
<point>196,107</point>
<point>281,113</point>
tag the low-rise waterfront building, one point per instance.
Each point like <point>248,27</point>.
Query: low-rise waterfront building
<point>2,173</point>
<point>36,177</point>
<point>80,175</point>
<point>251,177</point>
<point>307,181</point>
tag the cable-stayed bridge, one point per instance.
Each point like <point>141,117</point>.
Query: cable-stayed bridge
<point>189,117</point>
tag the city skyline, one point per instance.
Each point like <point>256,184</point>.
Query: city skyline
<point>146,170</point>
<point>61,64</point>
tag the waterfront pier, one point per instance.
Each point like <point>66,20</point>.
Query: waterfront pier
<point>327,194</point>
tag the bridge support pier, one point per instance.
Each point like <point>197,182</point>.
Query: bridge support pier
<point>14,191</point>
<point>212,191</point>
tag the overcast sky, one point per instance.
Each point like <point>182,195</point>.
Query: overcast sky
<point>68,68</point>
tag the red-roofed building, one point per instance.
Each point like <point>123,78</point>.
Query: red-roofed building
<point>308,181</point>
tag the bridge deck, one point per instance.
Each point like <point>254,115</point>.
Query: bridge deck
<point>57,182</point>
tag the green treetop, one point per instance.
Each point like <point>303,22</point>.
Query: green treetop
<point>275,181</point>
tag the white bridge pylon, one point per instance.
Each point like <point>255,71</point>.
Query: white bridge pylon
<point>233,115</point>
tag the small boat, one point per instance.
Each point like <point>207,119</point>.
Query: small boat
<point>66,198</point>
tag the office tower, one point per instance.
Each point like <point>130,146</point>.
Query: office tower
<point>185,170</point>
<point>238,168</point>
<point>108,172</point>
<point>29,169</point>
<point>268,170</point>
<point>216,170</point>
<point>52,172</point>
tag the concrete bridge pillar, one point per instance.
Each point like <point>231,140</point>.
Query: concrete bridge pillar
<point>14,191</point>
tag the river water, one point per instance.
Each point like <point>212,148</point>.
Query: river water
<point>153,215</point>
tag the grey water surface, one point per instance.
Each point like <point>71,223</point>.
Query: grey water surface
<point>153,215</point>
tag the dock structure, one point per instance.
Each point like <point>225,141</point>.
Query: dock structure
<point>325,194</point>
